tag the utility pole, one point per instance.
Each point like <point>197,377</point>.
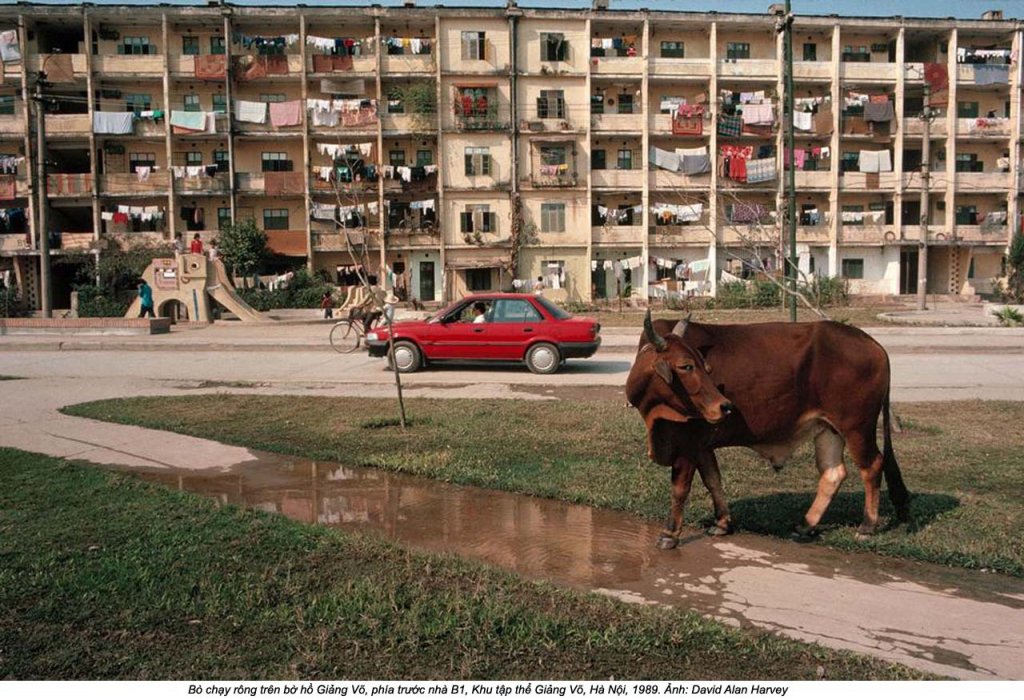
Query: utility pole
<point>45,288</point>
<point>922,255</point>
<point>790,136</point>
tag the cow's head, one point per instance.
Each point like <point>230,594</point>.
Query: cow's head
<point>671,381</point>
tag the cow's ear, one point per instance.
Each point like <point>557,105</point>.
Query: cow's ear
<point>704,350</point>
<point>663,370</point>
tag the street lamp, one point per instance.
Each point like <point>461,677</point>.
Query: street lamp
<point>45,286</point>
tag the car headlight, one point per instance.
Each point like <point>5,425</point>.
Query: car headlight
<point>372,336</point>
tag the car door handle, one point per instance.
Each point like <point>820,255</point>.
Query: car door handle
<point>478,330</point>
<point>527,330</point>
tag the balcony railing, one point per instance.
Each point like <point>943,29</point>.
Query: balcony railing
<point>618,122</point>
<point>487,119</point>
<point>422,63</point>
<point>68,125</point>
<point>698,232</point>
<point>748,68</point>
<point>936,178</point>
<point>668,180</point>
<point>983,126</point>
<point>813,234</point>
<point>997,182</point>
<point>129,66</point>
<point>13,123</point>
<point>984,233</point>
<point>681,67</point>
<point>11,242</point>
<point>563,179</point>
<point>617,234</point>
<point>69,184</point>
<point>632,178</point>
<point>203,184</point>
<point>130,183</point>
<point>617,65</point>
<point>57,69</point>
<point>856,181</point>
<point>872,72</point>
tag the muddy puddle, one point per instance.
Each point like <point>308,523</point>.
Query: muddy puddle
<point>946,621</point>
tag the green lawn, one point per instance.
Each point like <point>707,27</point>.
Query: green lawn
<point>962,461</point>
<point>104,576</point>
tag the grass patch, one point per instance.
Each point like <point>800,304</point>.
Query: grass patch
<point>961,460</point>
<point>105,576</point>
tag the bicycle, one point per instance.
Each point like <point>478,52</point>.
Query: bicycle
<point>348,335</point>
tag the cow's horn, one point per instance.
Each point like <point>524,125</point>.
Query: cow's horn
<point>680,328</point>
<point>653,338</point>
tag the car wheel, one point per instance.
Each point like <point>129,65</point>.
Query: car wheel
<point>407,356</point>
<point>543,358</point>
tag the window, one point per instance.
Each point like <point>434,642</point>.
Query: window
<point>552,217</point>
<point>551,104</point>
<point>473,102</point>
<point>514,311</point>
<point>474,46</point>
<point>274,162</point>
<point>275,219</point>
<point>625,159</point>
<point>138,103</point>
<point>673,49</point>
<point>478,219</point>
<point>967,110</point>
<point>478,280</point>
<point>966,215</point>
<point>273,97</point>
<point>220,159</point>
<point>968,163</point>
<point>553,47</point>
<point>856,54</point>
<point>626,103</point>
<point>477,161</point>
<point>191,103</point>
<point>424,158</point>
<point>190,45</point>
<point>223,217</point>
<point>597,104</point>
<point>136,46</point>
<point>217,46</point>
<point>598,159</point>
<point>553,155</point>
<point>6,104</point>
<point>850,162</point>
<point>737,49</point>
<point>396,158</point>
<point>147,160</point>
<point>810,52</point>
<point>853,268</point>
<point>396,105</point>
<point>193,158</point>
<point>220,103</point>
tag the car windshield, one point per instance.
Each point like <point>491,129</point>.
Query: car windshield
<point>556,311</point>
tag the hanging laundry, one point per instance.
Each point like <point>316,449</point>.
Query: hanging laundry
<point>190,121</point>
<point>729,126</point>
<point>286,113</point>
<point>112,122</point>
<point>761,170</point>
<point>666,160</point>
<point>879,112</point>
<point>252,112</point>
<point>804,121</point>
<point>211,67</point>
<point>10,48</point>
<point>875,162</point>
<point>142,172</point>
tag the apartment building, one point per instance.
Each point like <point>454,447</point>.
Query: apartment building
<point>607,152</point>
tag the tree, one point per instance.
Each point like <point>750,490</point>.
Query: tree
<point>1012,289</point>
<point>243,246</point>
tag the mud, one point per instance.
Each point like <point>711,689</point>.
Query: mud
<point>933,618</point>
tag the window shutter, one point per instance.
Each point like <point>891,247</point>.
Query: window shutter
<point>470,169</point>
<point>485,164</point>
<point>466,220</point>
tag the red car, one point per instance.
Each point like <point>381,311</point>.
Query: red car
<point>513,328</point>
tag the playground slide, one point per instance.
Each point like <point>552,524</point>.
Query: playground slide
<point>223,292</point>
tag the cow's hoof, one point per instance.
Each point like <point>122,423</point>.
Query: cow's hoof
<point>717,530</point>
<point>804,533</point>
<point>667,542</point>
<point>864,532</point>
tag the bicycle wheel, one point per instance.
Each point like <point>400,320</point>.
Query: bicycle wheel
<point>345,336</point>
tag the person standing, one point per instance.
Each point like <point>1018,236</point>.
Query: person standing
<point>145,300</point>
<point>179,244</point>
<point>212,251</point>
<point>327,304</point>
<point>197,245</point>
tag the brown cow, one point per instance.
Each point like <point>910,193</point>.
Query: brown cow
<point>769,387</point>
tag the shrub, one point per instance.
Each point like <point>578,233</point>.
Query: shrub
<point>1009,316</point>
<point>829,291</point>
<point>304,291</point>
<point>12,305</point>
<point>96,302</point>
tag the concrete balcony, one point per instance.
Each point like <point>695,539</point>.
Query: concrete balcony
<point>13,124</point>
<point>408,123</point>
<point>360,65</point>
<point>983,127</point>
<point>748,234</point>
<point>868,235</point>
<point>290,243</point>
<point>813,179</point>
<point>913,233</point>
<point>987,182</point>
<point>14,242</point>
<point>77,241</point>
<point>249,183</point>
<point>203,184</point>
<point>617,65</point>
<point>984,234</point>
<point>624,179</point>
<point>697,233</point>
<point>812,70</point>
<point>22,186</point>
<point>633,123</point>
<point>417,64</point>
<point>129,66</point>
<point>413,238</point>
<point>131,239</point>
<point>68,125</point>
<point>148,127</point>
<point>813,235</point>
<point>761,68</point>
<point>129,183</point>
<point>38,62</point>
<point>659,179</point>
<point>965,75</point>
<point>68,185</point>
<point>333,241</point>
<point>617,234</point>
<point>915,127</point>
<point>681,67</point>
<point>265,129</point>
<point>568,179</point>
<point>294,62</point>
<point>869,72</point>
<point>859,182</point>
<point>913,72</point>
<point>937,180</point>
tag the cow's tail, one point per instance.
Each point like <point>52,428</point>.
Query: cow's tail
<point>893,478</point>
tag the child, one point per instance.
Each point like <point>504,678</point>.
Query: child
<point>327,304</point>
